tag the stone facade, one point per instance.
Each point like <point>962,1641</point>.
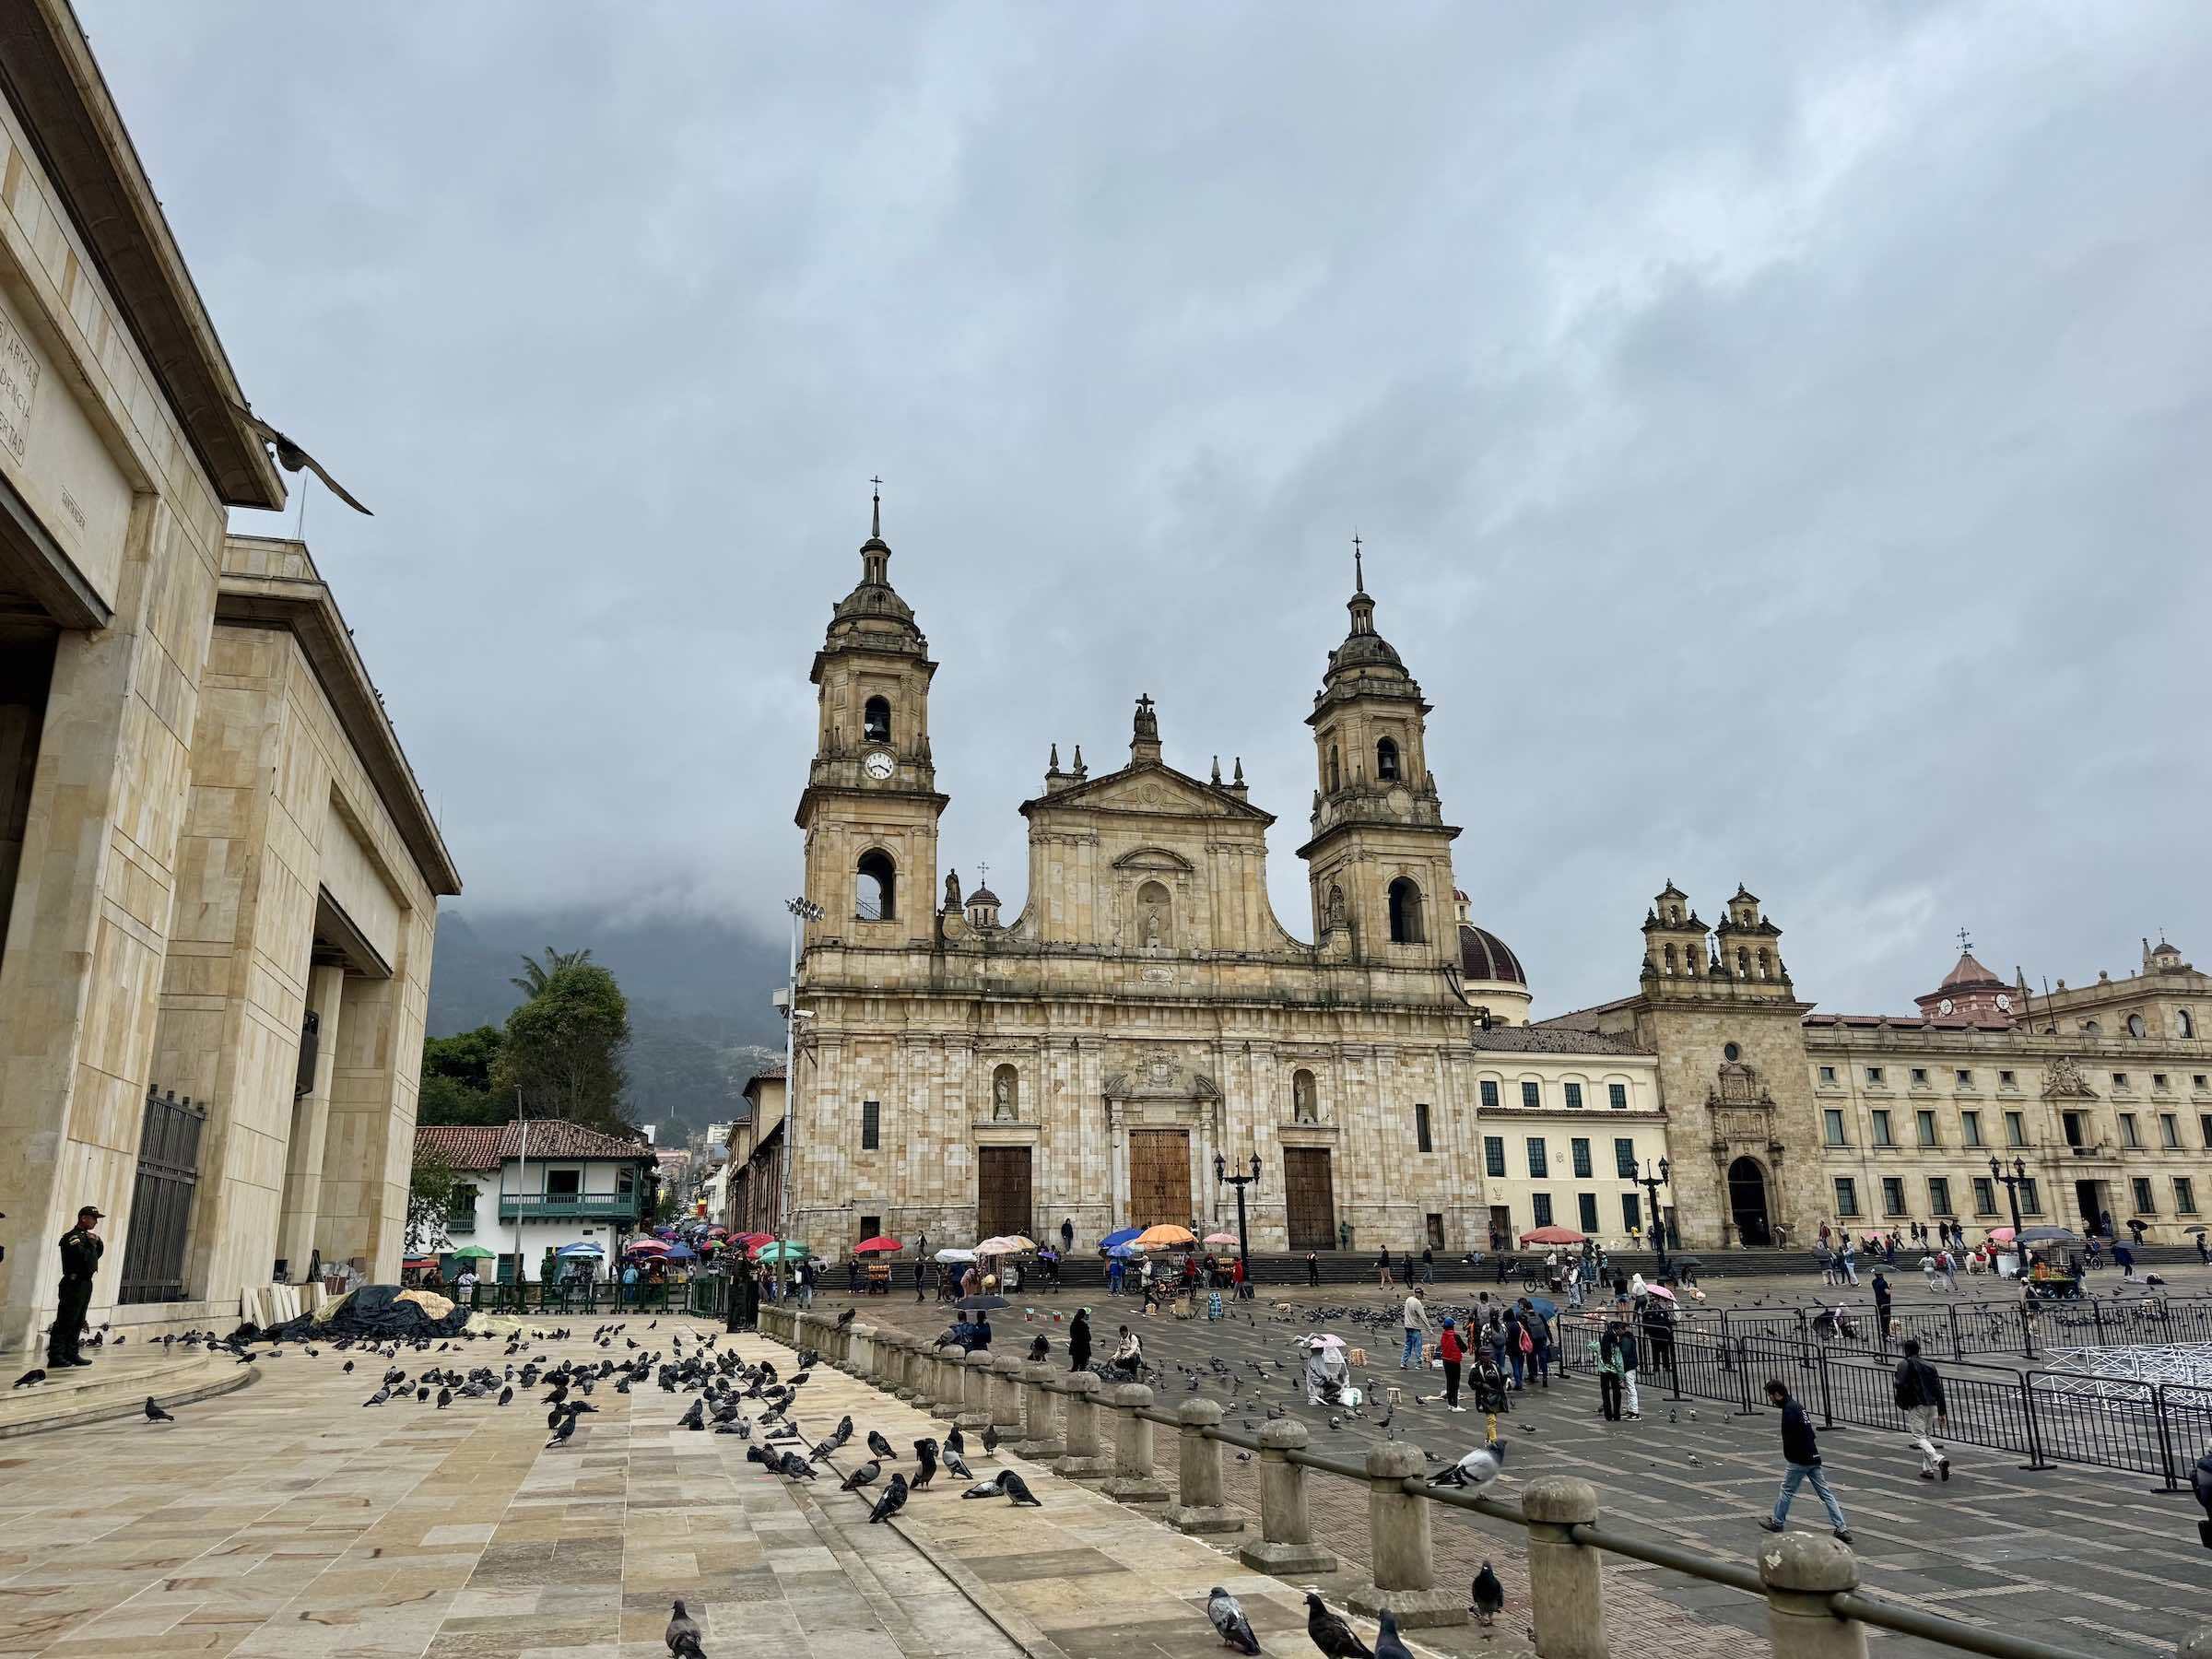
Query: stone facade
<point>191,758</point>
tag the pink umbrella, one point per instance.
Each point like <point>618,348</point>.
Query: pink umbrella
<point>646,1247</point>
<point>2000,1234</point>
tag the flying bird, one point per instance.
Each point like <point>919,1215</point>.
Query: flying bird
<point>154,1414</point>
<point>1488,1595</point>
<point>892,1500</point>
<point>291,457</point>
<point>1229,1621</point>
<point>683,1635</point>
<point>1331,1634</point>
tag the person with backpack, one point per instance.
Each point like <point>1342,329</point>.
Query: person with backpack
<point>1920,1397</point>
<point>1489,1388</point>
<point>1609,1369</point>
<point>1801,1458</point>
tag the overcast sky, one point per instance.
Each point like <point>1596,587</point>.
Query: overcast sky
<point>1780,431</point>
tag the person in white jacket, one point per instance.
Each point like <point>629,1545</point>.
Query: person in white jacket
<point>1416,1332</point>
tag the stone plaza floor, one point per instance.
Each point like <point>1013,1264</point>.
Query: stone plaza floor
<point>2090,1559</point>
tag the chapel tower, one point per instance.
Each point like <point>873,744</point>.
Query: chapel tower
<point>1379,859</point>
<point>870,808</point>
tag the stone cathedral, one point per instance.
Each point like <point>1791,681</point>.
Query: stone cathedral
<point>965,1073</point>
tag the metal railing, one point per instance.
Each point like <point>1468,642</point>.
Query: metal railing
<point>585,1207</point>
<point>1959,1329</point>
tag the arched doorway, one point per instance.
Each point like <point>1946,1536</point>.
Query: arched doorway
<point>1748,1201</point>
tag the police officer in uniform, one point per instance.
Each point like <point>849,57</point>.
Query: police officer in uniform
<point>81,1250</point>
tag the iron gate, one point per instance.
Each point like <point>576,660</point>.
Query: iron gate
<point>169,1171</point>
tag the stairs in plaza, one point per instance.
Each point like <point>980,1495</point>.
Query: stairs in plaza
<point>114,1385</point>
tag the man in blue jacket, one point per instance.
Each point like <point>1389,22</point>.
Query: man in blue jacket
<point>1801,1454</point>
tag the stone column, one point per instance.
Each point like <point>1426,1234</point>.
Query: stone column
<point>1564,1600</point>
<point>1405,1559</point>
<point>974,1413</point>
<point>861,1347</point>
<point>1285,1545</point>
<point>296,1239</point>
<point>1006,1396</point>
<point>951,1389</point>
<point>1133,1480</point>
<point>1081,1459</point>
<point>1801,1571</point>
<point>893,1352</point>
<point>1201,1506</point>
<point>1040,1435</point>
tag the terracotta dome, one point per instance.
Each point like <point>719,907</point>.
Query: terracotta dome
<point>1484,956</point>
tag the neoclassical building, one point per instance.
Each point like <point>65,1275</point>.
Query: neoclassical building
<point>1146,1013</point>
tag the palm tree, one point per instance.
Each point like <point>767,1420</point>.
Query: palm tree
<point>536,976</point>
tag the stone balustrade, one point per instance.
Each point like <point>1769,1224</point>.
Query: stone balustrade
<point>1133,1480</point>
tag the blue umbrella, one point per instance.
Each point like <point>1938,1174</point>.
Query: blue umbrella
<point>588,1247</point>
<point>1545,1306</point>
<point>1123,1236</point>
<point>1126,1252</point>
<point>680,1253</point>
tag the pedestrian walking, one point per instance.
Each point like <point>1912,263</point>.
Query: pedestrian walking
<point>1631,1358</point>
<point>1920,1397</point>
<point>1428,1266</point>
<point>1383,1267</point>
<point>2203,1251</point>
<point>1801,1464</point>
<point>1417,1331</point>
<point>1882,1299</point>
<point>1504,1263</point>
<point>81,1250</point>
<point>1848,1262</point>
<point>1067,1234</point>
<point>1449,1350</point>
<point>921,1279</point>
<point>1314,1268</point>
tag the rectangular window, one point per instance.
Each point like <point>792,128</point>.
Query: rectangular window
<point>1874,1076</point>
<point>1581,1149</point>
<point>1586,1203</point>
<point>1540,1209</point>
<point>1920,1076</point>
<point>1490,1094</point>
<point>2031,1203</point>
<point>2197,1081</point>
<point>2118,1079</point>
<point>2204,1124</point>
<point>2145,1203</point>
<point>1574,1097</point>
<point>1624,1159</point>
<point>1847,1197</point>
<point>1881,1130</point>
<point>1827,1074</point>
<point>2128,1135</point>
<point>871,1124</point>
<point>1965,1079</point>
<point>564,1183</point>
<point>1420,1126</point>
<point>871,1227</point>
<point>1970,1127</point>
<point>1985,1196</point>
<point>1617,1095</point>
<point>1532,1095</point>
<point>2006,1080</point>
<point>2158,1081</point>
<point>2016,1132</point>
<point>1924,1125</point>
<point>2184,1195</point>
<point>1493,1154</point>
<point>1832,1117</point>
<point>2170,1130</point>
<point>1539,1164</point>
<point>1939,1196</point>
<point>1632,1211</point>
<point>1893,1195</point>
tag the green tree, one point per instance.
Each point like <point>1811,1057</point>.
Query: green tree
<point>565,1047</point>
<point>457,1079</point>
<point>430,1199</point>
<point>536,976</point>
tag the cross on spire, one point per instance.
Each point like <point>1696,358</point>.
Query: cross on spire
<point>876,516</point>
<point>982,874</point>
<point>1359,567</point>
<point>1965,943</point>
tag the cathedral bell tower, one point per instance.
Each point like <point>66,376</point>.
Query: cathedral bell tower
<point>1380,858</point>
<point>870,808</point>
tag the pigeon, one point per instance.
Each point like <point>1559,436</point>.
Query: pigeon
<point>881,1447</point>
<point>957,1465</point>
<point>1387,1644</point>
<point>291,457</point>
<point>683,1635</point>
<point>1229,1621</point>
<point>154,1414</point>
<point>1476,1469</point>
<point>990,1437</point>
<point>1331,1634</point>
<point>1488,1595</point>
<point>445,1398</point>
<point>381,1395</point>
<point>955,1442</point>
<point>926,1455</point>
<point>507,1394</point>
<point>864,1475</point>
<point>892,1500</point>
<point>992,1488</point>
<point>1016,1488</point>
<point>561,1434</point>
<point>348,1371</point>
<point>795,1468</point>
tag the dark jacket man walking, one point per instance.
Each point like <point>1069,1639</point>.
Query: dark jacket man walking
<point>1801,1459</point>
<point>1920,1397</point>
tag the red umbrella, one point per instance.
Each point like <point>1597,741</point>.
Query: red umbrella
<point>1551,1235</point>
<point>867,1245</point>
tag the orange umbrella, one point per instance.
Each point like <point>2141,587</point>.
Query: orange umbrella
<point>1165,1236</point>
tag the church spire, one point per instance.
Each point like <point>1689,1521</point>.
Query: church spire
<point>1361,606</point>
<point>876,553</point>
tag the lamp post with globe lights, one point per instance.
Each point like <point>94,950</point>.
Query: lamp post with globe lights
<point>803,911</point>
<point>1651,1184</point>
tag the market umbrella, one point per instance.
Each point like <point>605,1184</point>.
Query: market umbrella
<point>1005,1244</point>
<point>1122,1236</point>
<point>955,1256</point>
<point>416,1264</point>
<point>585,1247</point>
<point>475,1252</point>
<point>646,1247</point>
<point>1167,1236</point>
<point>682,1252</point>
<point>1551,1235</point>
<point>2049,1235</point>
<point>1998,1235</point>
<point>1127,1251</point>
<point>1220,1238</point>
<point>789,1251</point>
<point>981,1304</point>
<point>868,1246</point>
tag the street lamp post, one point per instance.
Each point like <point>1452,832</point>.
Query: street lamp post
<point>803,911</point>
<point>1651,1185</point>
<point>1223,1177</point>
<point>2012,1179</point>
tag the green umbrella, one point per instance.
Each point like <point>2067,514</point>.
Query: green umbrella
<point>788,1251</point>
<point>476,1250</point>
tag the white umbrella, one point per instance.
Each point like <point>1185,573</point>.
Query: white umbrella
<point>1324,1341</point>
<point>956,1255</point>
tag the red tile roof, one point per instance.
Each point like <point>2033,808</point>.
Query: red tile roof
<point>487,1145</point>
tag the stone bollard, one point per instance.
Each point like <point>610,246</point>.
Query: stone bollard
<point>1006,1396</point>
<point>898,1365</point>
<point>951,1388</point>
<point>974,1413</point>
<point>1133,1480</point>
<point>1405,1560</point>
<point>1563,1595</point>
<point>1801,1571</point>
<point>1285,1543</point>
<point>1080,1460</point>
<point>1040,1434</point>
<point>1200,1505</point>
<point>868,1360</point>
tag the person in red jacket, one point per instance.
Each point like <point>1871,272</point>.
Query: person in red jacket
<point>1451,1353</point>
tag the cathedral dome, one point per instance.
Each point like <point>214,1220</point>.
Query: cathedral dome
<point>983,895</point>
<point>1484,956</point>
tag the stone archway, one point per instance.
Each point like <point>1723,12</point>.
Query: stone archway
<point>1747,1203</point>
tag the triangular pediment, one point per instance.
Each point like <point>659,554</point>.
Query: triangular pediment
<point>1153,787</point>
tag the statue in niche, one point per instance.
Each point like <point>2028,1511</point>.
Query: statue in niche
<point>1152,915</point>
<point>1302,1108</point>
<point>1152,926</point>
<point>1335,907</point>
<point>1003,1107</point>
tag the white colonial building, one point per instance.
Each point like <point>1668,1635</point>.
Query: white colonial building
<point>536,1188</point>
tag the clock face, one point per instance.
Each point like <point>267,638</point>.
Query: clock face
<point>1944,1007</point>
<point>2003,1004</point>
<point>877,765</point>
